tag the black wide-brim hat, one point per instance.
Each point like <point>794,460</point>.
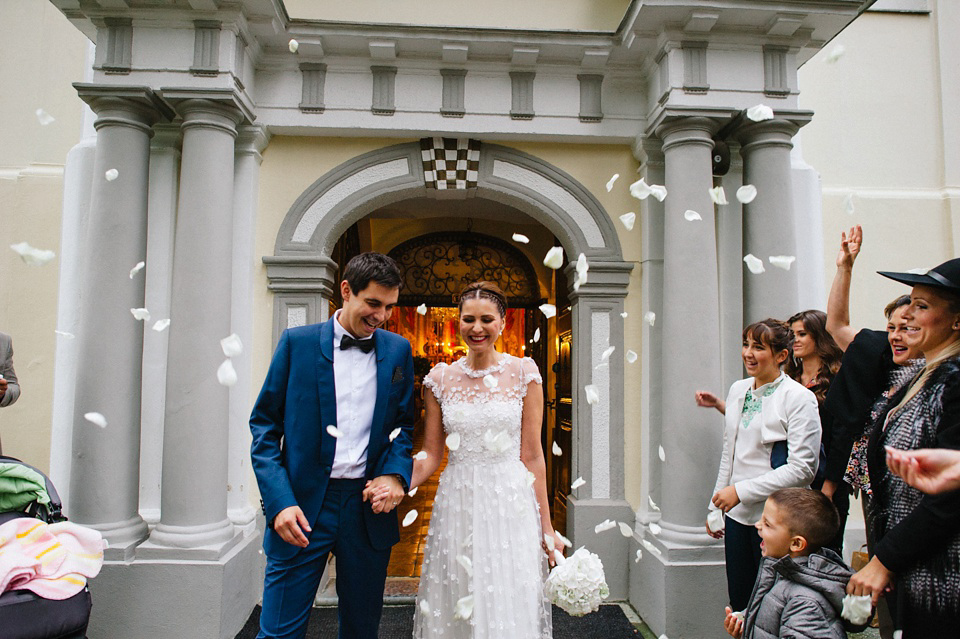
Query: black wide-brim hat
<point>945,276</point>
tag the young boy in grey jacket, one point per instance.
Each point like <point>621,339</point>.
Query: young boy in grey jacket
<point>801,584</point>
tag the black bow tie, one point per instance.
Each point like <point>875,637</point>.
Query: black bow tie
<point>365,345</point>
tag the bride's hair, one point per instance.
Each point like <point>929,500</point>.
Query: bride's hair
<point>484,290</point>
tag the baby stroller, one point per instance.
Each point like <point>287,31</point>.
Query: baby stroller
<point>24,615</point>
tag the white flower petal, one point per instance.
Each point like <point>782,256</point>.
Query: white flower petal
<point>111,175</point>
<point>919,271</point>
<point>44,117</point>
<point>161,325</point>
<point>453,441</point>
<point>662,453</point>
<point>582,265</point>
<point>649,546</point>
<point>558,556</point>
<point>848,207</point>
<point>421,455</point>
<point>424,606</point>
<point>140,314</point>
<point>334,431</point>
<point>653,504</point>
<point>490,381</point>
<point>624,314</point>
<point>592,395</point>
<point>136,269</point>
<point>548,310</point>
<point>554,257</point>
<point>531,478</point>
<point>413,491</point>
<point>409,518</point>
<point>611,181</point>
<point>605,355</point>
<point>226,374</point>
<point>755,264</point>
<point>631,357</point>
<point>467,564</point>
<point>835,54</point>
<point>628,220</point>
<point>719,196</point>
<point>715,521</point>
<point>556,449</point>
<point>577,483</point>
<point>746,193</point>
<point>464,607</point>
<point>639,556</point>
<point>898,634</point>
<point>691,216</point>
<point>393,434</point>
<point>96,419</point>
<point>782,261</point>
<point>654,528</point>
<point>640,189</point>
<point>422,309</point>
<point>520,237</point>
<point>566,542</point>
<point>65,334</point>
<point>603,526</point>
<point>650,317</point>
<point>625,529</point>
<point>760,112</point>
<point>32,256</point>
<point>550,541</point>
<point>536,336</point>
<point>658,191</point>
<point>231,345</point>
<point>857,609</point>
<point>293,45</point>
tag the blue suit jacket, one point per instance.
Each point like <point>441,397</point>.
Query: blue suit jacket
<point>292,452</point>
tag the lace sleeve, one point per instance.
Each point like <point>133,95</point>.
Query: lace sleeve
<point>434,380</point>
<point>529,372</point>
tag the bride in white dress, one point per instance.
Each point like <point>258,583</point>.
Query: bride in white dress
<point>485,560</point>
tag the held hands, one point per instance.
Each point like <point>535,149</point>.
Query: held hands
<point>383,493</point>
<point>290,523</point>
<point>726,498</point>
<point>849,247</point>
<point>873,579</point>
<point>930,470</point>
<point>733,623</point>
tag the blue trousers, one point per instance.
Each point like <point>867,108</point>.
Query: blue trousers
<point>741,549</point>
<point>290,586</point>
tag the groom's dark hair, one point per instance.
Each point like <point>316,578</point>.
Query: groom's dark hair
<point>363,268</point>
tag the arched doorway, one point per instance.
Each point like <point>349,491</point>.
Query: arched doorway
<point>303,273</point>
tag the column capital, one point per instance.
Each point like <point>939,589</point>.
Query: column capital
<point>301,274</point>
<point>166,136</point>
<point>134,106</point>
<point>648,151</point>
<point>225,101</point>
<point>606,280</point>
<point>687,130</point>
<point>776,132</point>
<point>252,139</point>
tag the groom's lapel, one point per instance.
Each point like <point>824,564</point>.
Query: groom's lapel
<point>326,387</point>
<point>383,392</point>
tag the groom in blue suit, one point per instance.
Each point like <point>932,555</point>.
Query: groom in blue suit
<point>334,422</point>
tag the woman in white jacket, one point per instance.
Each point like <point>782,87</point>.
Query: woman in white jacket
<point>771,440</point>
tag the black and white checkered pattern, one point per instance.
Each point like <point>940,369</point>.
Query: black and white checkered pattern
<point>450,163</point>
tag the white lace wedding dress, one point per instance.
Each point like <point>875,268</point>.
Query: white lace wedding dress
<point>484,539</point>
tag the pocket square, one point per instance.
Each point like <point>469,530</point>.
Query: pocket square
<point>397,375</point>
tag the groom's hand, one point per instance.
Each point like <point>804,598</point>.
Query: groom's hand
<point>288,524</point>
<point>384,493</point>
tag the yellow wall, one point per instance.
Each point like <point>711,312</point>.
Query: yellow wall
<point>563,15</point>
<point>43,54</point>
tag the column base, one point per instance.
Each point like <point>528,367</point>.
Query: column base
<point>208,542</point>
<point>612,547</point>
<point>679,589</point>
<point>122,537</point>
<point>183,598</point>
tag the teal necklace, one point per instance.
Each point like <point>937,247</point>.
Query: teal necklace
<point>753,404</point>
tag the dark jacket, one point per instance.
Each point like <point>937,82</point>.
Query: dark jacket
<point>799,598</point>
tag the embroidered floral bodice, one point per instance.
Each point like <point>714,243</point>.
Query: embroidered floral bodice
<point>497,393</point>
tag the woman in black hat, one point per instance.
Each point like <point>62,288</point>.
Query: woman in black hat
<point>917,536</point>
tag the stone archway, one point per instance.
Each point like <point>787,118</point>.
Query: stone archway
<point>301,274</point>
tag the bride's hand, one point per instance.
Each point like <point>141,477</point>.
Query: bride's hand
<point>557,543</point>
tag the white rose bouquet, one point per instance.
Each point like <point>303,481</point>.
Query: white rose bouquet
<point>577,584</point>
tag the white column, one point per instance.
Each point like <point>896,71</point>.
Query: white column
<point>768,221</point>
<point>194,502</point>
<point>105,473</point>
<point>250,142</point>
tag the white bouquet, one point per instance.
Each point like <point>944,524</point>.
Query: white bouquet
<point>577,584</point>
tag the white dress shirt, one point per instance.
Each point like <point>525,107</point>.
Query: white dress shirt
<point>355,377</point>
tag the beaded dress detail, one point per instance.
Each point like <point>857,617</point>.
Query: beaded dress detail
<point>484,539</point>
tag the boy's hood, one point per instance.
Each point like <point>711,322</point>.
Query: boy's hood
<point>823,571</point>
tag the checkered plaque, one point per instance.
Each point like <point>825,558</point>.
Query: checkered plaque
<point>449,163</point>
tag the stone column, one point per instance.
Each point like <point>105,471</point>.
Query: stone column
<point>193,490</point>
<point>768,221</point>
<point>250,142</point>
<point>105,477</point>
